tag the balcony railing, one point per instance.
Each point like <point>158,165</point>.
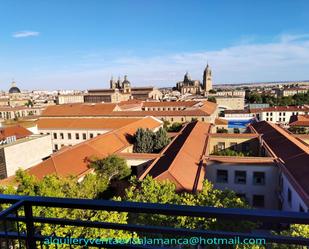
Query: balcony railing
<point>30,238</point>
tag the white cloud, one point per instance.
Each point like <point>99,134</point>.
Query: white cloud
<point>286,58</point>
<point>23,34</point>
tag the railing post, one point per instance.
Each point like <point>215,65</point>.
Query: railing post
<point>30,240</point>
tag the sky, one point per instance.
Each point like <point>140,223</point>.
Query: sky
<point>80,44</point>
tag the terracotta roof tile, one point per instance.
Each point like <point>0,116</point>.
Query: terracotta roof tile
<point>293,153</point>
<point>181,159</point>
<point>79,110</point>
<point>18,131</point>
<point>74,160</point>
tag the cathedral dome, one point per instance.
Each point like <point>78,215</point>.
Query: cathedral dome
<point>125,81</point>
<point>14,88</point>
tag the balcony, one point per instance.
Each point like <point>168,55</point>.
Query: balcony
<point>19,224</point>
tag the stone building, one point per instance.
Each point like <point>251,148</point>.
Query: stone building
<point>188,85</point>
<point>121,91</point>
<point>194,86</point>
<point>207,79</point>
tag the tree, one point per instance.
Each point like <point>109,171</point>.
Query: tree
<point>212,99</point>
<point>55,186</point>
<point>212,91</point>
<point>143,141</point>
<point>147,141</point>
<point>222,130</point>
<point>175,127</point>
<point>111,167</point>
<point>161,139</point>
<point>153,191</point>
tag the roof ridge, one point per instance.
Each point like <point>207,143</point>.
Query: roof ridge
<point>290,137</point>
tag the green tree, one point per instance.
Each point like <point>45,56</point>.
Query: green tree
<point>147,141</point>
<point>143,141</point>
<point>175,127</point>
<point>212,99</point>
<point>111,167</point>
<point>153,191</point>
<point>54,186</point>
<point>161,139</point>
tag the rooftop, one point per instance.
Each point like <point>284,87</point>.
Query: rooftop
<point>293,153</point>
<point>73,160</point>
<point>17,131</point>
<point>182,160</point>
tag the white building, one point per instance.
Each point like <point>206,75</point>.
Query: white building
<point>23,153</point>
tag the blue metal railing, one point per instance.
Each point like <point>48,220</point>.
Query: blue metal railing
<point>32,239</point>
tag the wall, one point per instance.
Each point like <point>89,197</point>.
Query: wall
<point>269,190</point>
<point>253,143</point>
<point>26,153</point>
<point>296,201</point>
<point>231,103</point>
<point>69,142</point>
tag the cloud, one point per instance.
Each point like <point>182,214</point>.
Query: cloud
<point>284,58</point>
<point>23,34</point>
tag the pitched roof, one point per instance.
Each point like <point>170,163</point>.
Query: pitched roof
<point>73,161</point>
<point>220,121</point>
<point>170,103</point>
<point>18,131</point>
<point>99,109</point>
<point>293,153</point>
<point>181,161</point>
<point>84,123</point>
<point>299,120</point>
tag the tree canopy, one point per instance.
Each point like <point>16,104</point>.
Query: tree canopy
<point>147,141</point>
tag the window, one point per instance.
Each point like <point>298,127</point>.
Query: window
<point>91,135</point>
<point>279,119</point>
<point>284,114</point>
<point>77,135</point>
<point>99,134</point>
<point>69,136</point>
<point>289,196</point>
<point>271,119</point>
<point>222,176</point>
<point>62,145</point>
<point>259,178</point>
<point>56,146</point>
<point>240,177</point>
<point>258,201</point>
<point>280,113</point>
<point>55,135</point>
<point>61,136</point>
<point>267,113</point>
<point>172,119</point>
<point>84,136</point>
<point>271,114</point>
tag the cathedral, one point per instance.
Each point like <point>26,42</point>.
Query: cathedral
<point>124,86</point>
<point>194,86</point>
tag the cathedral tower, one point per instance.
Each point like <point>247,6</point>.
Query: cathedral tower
<point>207,79</point>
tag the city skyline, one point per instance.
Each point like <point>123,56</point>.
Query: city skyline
<point>60,46</point>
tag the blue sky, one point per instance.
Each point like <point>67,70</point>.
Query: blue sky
<point>79,44</point>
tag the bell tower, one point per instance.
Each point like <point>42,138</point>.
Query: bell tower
<point>207,79</point>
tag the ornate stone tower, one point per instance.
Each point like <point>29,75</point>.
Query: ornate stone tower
<point>126,85</point>
<point>207,79</point>
<point>113,83</point>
